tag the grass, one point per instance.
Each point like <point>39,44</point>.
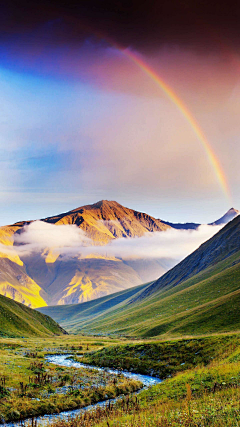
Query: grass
<point>164,359</point>
<point>17,320</point>
<point>199,397</point>
<point>206,303</point>
<point>202,386</point>
<point>29,386</point>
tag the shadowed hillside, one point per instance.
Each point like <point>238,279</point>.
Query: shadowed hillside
<point>72,314</point>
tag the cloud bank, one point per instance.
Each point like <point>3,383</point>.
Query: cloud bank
<point>70,241</point>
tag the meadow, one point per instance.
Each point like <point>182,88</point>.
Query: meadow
<point>201,386</point>
<point>30,386</point>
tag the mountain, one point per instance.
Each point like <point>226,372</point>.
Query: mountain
<point>183,226</point>
<point>17,320</point>
<point>42,277</point>
<point>107,220</point>
<point>200,295</point>
<point>229,215</point>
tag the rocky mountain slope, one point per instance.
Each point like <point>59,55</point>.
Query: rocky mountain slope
<point>106,220</point>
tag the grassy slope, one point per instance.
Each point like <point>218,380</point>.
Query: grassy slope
<point>220,247</point>
<point>206,303</point>
<point>72,314</point>
<point>17,320</point>
<point>164,359</point>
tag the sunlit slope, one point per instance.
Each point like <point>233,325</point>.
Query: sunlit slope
<point>7,239</point>
<point>17,320</point>
<point>72,314</point>
<point>15,283</point>
<point>78,280</point>
<point>204,299</point>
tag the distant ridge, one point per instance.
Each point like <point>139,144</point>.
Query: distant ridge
<point>228,216</point>
<point>183,226</point>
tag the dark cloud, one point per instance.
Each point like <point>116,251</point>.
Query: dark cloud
<point>144,25</point>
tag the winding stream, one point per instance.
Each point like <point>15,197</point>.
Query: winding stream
<point>63,360</point>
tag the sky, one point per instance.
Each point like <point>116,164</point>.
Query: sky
<point>81,121</point>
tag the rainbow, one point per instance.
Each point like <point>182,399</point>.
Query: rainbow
<point>186,113</point>
<point>213,160</point>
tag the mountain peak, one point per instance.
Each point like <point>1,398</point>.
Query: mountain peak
<point>228,216</point>
<point>103,203</point>
<point>233,210</point>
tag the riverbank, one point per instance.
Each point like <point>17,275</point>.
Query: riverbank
<point>164,359</point>
<point>63,387</point>
<point>108,401</point>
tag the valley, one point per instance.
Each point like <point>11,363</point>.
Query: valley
<point>162,353</point>
<point>199,295</point>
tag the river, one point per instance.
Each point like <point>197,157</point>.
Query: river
<point>64,360</point>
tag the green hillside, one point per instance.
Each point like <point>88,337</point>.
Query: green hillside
<point>72,315</point>
<point>221,246</point>
<point>200,295</point>
<point>17,320</point>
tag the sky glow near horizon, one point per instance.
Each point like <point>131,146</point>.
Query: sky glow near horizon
<point>83,124</point>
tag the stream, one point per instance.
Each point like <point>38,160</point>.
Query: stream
<point>63,360</point>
